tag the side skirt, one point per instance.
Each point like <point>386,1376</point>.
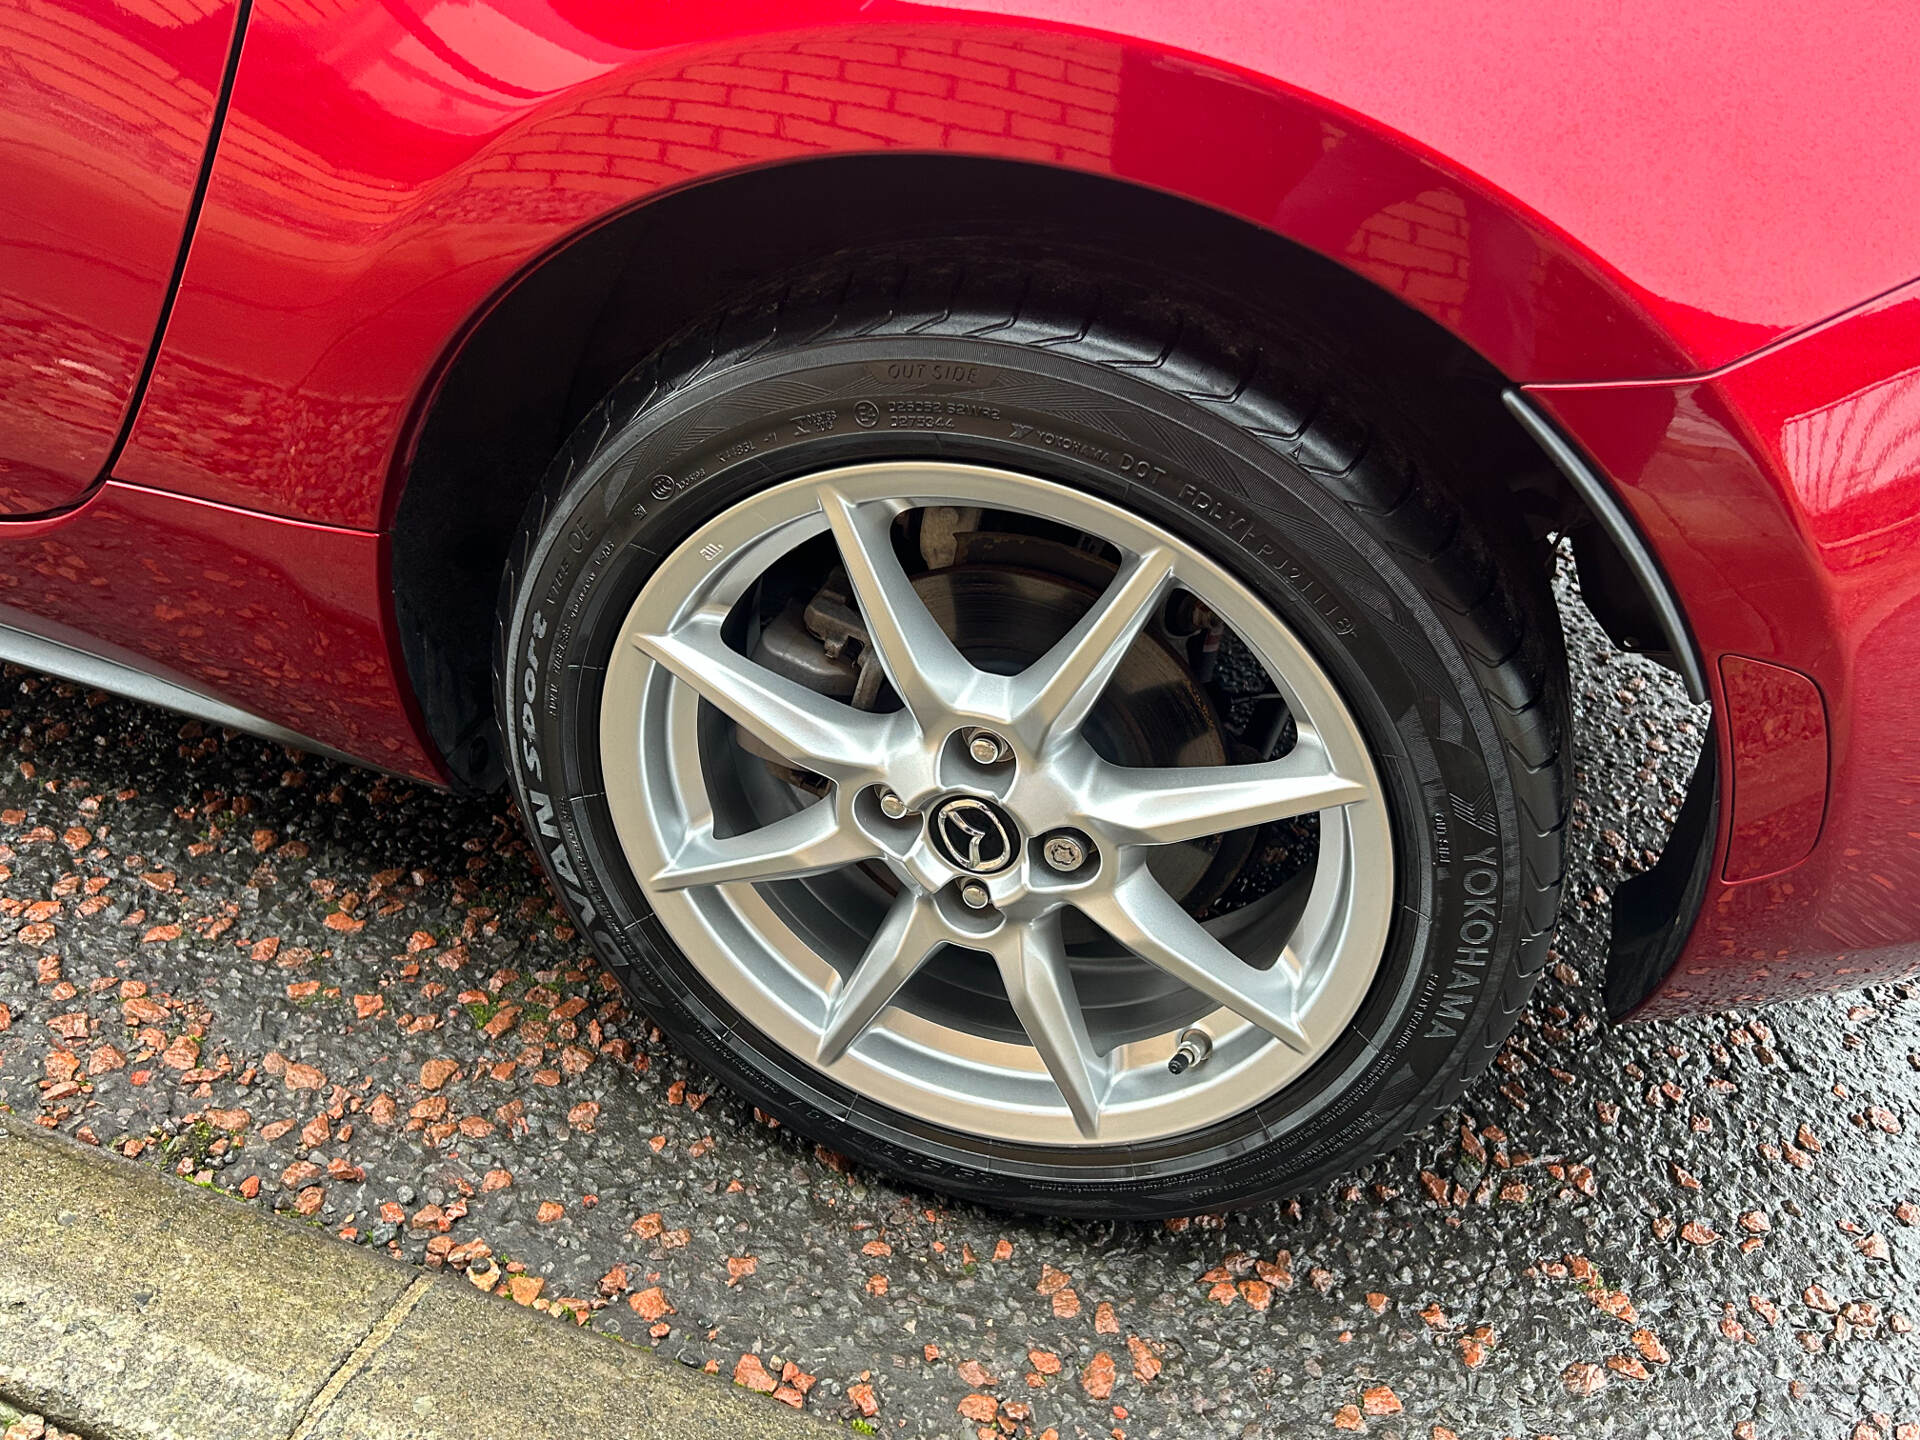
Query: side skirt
<point>36,652</point>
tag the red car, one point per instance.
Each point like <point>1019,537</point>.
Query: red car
<point>1003,549</point>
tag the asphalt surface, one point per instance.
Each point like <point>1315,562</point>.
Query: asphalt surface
<point>356,1000</point>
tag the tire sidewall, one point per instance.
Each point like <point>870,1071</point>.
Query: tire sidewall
<point>638,487</point>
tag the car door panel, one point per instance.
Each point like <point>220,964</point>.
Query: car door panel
<point>105,110</point>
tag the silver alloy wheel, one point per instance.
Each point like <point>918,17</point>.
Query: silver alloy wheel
<point>1279,995</point>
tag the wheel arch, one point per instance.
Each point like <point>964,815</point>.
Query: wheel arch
<point>1202,173</point>
<point>550,345</point>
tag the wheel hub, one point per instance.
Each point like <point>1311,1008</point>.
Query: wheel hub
<point>973,834</point>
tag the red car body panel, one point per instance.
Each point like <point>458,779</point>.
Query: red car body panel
<point>1612,216</point>
<point>366,273</point>
<point>285,619</point>
<point>104,115</point>
<point>1783,496</point>
<point>386,169</point>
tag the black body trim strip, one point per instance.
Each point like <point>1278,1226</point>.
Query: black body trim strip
<point>1621,530</point>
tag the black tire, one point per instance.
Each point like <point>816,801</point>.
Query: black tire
<point>1437,628</point>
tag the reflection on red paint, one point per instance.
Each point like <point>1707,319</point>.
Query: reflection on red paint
<point>104,113</point>
<point>280,618</point>
<point>391,164</point>
<point>387,169</point>
<point>1777,732</point>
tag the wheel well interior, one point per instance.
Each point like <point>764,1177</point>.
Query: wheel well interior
<point>566,333</point>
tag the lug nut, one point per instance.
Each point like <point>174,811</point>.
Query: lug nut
<point>892,806</point>
<point>986,748</point>
<point>975,895</point>
<point>1195,1045</point>
<point>1065,851</point>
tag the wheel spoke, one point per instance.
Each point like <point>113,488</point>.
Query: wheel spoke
<point>911,932</point>
<point>1144,918</point>
<point>926,671</point>
<point>691,701</point>
<point>1165,806</point>
<point>1033,965</point>
<point>1056,693</point>
<point>804,843</point>
<point>802,725</point>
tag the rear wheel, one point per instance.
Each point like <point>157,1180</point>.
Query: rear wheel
<point>1035,742</point>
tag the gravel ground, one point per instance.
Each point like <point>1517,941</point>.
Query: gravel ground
<point>15,1425</point>
<point>355,1000</point>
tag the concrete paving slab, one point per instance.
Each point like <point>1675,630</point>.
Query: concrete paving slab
<point>461,1364</point>
<point>136,1307</point>
<point>141,1307</point>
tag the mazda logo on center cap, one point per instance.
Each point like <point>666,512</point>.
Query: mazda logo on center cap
<point>974,835</point>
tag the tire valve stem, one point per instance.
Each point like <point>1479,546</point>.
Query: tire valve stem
<point>1206,663</point>
<point>1194,1047</point>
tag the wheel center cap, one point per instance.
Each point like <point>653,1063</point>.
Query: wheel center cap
<point>974,835</point>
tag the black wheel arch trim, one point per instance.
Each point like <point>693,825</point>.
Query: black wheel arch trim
<point>1654,911</point>
<point>1625,535</point>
